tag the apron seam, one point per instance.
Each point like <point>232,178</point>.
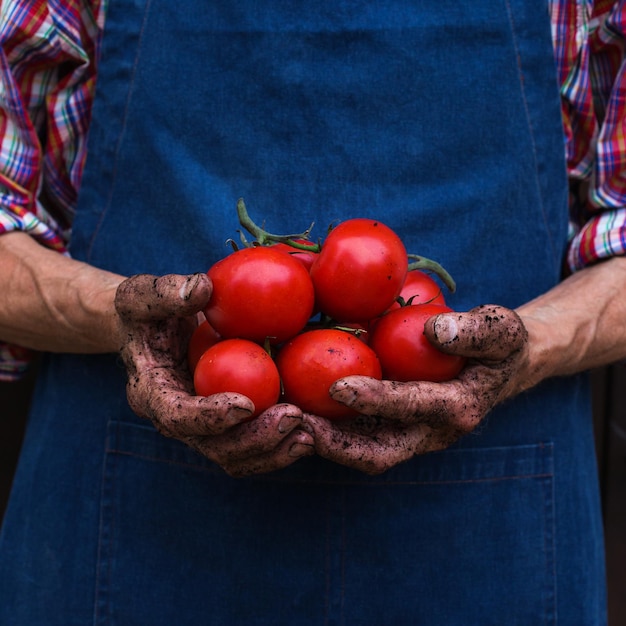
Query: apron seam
<point>105,532</point>
<point>551,556</point>
<point>531,129</point>
<point>120,138</point>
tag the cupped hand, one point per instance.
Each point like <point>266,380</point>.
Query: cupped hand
<point>401,420</point>
<point>157,316</point>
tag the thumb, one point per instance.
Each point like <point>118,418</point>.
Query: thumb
<point>489,332</point>
<point>145,297</point>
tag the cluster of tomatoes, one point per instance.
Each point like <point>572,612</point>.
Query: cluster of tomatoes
<point>287,318</point>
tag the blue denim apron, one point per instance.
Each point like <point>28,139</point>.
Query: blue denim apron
<point>440,118</point>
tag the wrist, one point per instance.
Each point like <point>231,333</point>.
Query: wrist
<point>542,351</point>
<point>100,326</point>
<point>577,325</point>
<point>57,304</point>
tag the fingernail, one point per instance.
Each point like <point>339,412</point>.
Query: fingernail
<point>446,329</point>
<point>239,413</point>
<point>299,450</point>
<point>287,423</point>
<point>188,286</point>
<point>306,425</point>
<point>343,393</point>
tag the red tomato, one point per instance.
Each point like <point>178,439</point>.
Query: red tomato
<point>203,337</point>
<point>359,271</point>
<point>312,361</point>
<point>404,351</point>
<point>419,288</point>
<point>306,257</point>
<point>259,293</point>
<point>240,366</point>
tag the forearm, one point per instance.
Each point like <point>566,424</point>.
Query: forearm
<point>578,325</point>
<point>54,303</point>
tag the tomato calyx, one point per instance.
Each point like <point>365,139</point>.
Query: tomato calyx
<point>298,241</point>
<point>326,322</point>
<point>355,330</point>
<point>402,302</point>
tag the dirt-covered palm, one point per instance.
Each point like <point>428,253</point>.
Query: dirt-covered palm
<point>158,315</point>
<point>401,420</point>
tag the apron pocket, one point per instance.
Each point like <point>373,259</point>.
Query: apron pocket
<point>469,541</point>
<point>460,537</point>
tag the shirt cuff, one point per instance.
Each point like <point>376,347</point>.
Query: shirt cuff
<point>602,237</point>
<point>28,222</point>
<point>14,362</point>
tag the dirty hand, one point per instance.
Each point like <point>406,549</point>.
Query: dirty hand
<point>157,316</point>
<point>401,420</point>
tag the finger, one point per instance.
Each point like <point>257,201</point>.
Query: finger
<point>297,445</point>
<point>271,441</point>
<point>488,332</point>
<point>389,399</point>
<point>145,297</point>
<point>374,451</point>
<point>439,405</point>
<point>257,436</point>
<point>176,412</point>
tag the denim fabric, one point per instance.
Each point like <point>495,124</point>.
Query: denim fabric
<point>303,551</point>
<point>439,118</point>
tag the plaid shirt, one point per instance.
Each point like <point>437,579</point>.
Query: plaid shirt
<point>48,69</point>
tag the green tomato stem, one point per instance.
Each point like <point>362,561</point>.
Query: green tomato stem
<point>428,265</point>
<point>263,237</point>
